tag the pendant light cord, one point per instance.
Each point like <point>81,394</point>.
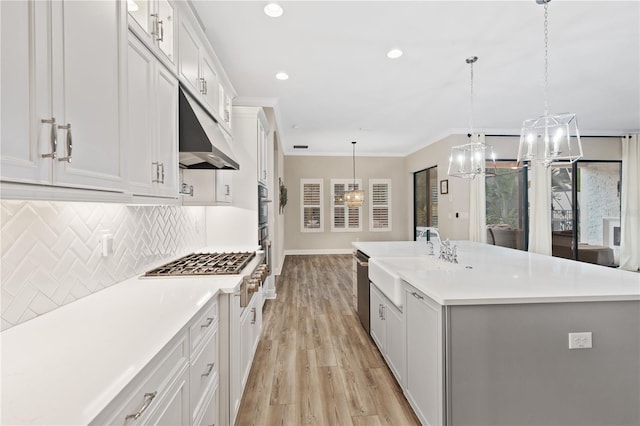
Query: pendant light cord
<point>354,166</point>
<point>546,58</point>
<point>471,103</point>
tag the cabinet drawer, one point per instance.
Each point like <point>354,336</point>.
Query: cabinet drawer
<point>209,414</point>
<point>204,323</point>
<point>203,371</point>
<point>142,396</point>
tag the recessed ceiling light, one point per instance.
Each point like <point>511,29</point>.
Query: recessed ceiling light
<point>282,76</point>
<point>274,10</point>
<point>394,53</point>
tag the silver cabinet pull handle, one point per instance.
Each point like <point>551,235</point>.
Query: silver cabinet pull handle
<point>157,166</point>
<point>209,369</point>
<point>161,27</point>
<point>206,87</point>
<point>154,31</point>
<point>67,127</point>
<point>162,172</point>
<point>417,296</point>
<point>202,83</point>
<point>253,311</point>
<point>148,397</point>
<point>227,190</point>
<point>208,323</point>
<point>384,316</point>
<point>53,138</point>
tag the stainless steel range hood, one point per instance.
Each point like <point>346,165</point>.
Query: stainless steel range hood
<point>203,144</point>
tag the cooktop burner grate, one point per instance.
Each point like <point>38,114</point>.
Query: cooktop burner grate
<point>204,264</point>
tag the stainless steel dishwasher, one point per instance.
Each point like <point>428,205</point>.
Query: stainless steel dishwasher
<point>362,261</point>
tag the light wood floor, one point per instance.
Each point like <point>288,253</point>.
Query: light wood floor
<point>315,363</point>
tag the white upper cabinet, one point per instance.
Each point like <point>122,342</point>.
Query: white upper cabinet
<point>154,22</point>
<point>62,115</point>
<point>201,73</point>
<point>209,84</point>
<point>152,125</point>
<point>26,94</point>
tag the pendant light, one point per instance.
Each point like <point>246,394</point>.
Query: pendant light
<point>469,160</point>
<point>547,139</point>
<point>354,197</point>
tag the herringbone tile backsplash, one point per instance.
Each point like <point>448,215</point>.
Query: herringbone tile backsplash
<point>52,252</point>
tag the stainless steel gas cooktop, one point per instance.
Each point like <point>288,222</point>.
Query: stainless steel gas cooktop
<point>204,264</point>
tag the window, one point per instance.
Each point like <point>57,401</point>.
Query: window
<point>506,201</point>
<point>379,205</point>
<point>344,219</point>
<point>585,206</point>
<point>311,206</point>
<point>425,201</point>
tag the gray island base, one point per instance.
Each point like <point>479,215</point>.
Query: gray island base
<point>490,345</point>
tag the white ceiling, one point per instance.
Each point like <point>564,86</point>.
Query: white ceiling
<point>342,87</point>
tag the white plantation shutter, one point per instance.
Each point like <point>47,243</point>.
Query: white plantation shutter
<point>379,205</point>
<point>311,206</point>
<point>344,219</point>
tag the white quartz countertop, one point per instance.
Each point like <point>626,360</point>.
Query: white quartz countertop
<point>64,367</point>
<point>499,275</point>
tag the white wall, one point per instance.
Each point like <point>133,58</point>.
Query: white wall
<point>457,201</point>
<point>327,168</point>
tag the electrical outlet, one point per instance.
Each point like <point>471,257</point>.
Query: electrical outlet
<point>580,340</point>
<point>107,243</point>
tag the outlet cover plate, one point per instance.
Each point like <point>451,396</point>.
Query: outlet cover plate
<point>582,340</point>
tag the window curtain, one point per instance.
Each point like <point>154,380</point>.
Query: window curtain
<point>630,204</point>
<point>540,210</point>
<point>478,206</point>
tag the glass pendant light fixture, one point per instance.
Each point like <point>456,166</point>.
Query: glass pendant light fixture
<point>354,197</point>
<point>469,160</point>
<point>547,139</point>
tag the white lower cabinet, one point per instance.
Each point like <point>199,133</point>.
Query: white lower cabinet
<point>152,391</point>
<point>173,409</point>
<point>424,387</point>
<point>250,328</point>
<point>179,386</point>
<point>388,332</point>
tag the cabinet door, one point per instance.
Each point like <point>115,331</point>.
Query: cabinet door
<point>378,326</point>
<point>25,100</point>
<point>166,28</point>
<point>210,94</point>
<point>88,47</point>
<point>173,409</point>
<point>166,135</point>
<point>224,183</point>
<point>424,385</point>
<point>140,76</point>
<point>262,152</point>
<point>140,19</point>
<point>246,343</point>
<point>395,341</point>
<point>189,58</point>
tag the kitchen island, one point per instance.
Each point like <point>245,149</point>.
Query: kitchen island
<point>486,341</point>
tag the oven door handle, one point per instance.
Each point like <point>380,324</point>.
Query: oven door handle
<point>266,200</point>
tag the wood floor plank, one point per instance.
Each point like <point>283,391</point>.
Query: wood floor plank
<point>366,421</point>
<point>309,407</point>
<point>281,415</point>
<point>315,364</point>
